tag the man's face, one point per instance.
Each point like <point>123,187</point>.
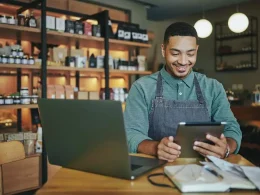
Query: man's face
<point>180,55</point>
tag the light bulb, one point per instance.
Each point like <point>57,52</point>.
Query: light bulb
<point>238,22</point>
<point>203,28</point>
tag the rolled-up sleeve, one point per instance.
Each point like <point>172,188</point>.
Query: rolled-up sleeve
<point>221,112</point>
<point>136,118</point>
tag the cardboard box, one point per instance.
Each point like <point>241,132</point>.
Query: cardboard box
<point>59,54</point>
<point>81,62</point>
<point>60,24</point>
<point>87,28</point>
<point>51,92</point>
<point>50,22</point>
<point>69,92</point>
<point>93,95</point>
<point>81,95</point>
<point>77,52</point>
<point>59,92</point>
<point>29,136</point>
<point>14,137</point>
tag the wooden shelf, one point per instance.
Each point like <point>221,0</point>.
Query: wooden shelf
<point>130,43</point>
<point>236,53</point>
<point>18,106</point>
<point>22,66</point>
<point>236,37</point>
<point>20,28</point>
<point>130,72</point>
<point>250,145</point>
<point>236,69</point>
<point>64,68</point>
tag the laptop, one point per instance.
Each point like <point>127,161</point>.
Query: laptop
<point>89,135</point>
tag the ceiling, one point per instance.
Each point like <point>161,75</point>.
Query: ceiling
<point>168,9</point>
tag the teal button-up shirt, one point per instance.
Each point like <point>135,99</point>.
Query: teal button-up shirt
<point>142,92</point>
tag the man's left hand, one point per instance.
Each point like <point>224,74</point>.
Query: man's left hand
<point>218,149</point>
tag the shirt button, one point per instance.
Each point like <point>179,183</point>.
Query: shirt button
<point>180,93</point>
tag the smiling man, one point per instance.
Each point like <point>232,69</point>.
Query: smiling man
<point>158,102</point>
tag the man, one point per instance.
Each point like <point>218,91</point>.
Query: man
<point>158,102</point>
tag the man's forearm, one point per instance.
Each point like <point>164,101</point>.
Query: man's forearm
<point>232,145</point>
<point>148,147</point>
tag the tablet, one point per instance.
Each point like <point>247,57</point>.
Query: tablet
<point>188,133</point>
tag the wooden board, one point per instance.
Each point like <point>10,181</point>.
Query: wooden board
<point>21,175</point>
<point>11,151</point>
<point>1,186</point>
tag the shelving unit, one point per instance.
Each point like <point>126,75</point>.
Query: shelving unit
<point>40,35</point>
<point>236,52</point>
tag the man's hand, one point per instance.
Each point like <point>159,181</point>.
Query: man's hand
<point>217,150</point>
<point>168,150</point>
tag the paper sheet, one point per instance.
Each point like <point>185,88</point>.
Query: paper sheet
<point>253,174</point>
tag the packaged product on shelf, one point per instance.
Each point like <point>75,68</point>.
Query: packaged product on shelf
<point>2,138</point>
<point>116,94</point>
<point>51,92</point>
<point>20,52</point>
<point>18,60</point>
<point>120,33</point>
<point>141,62</point>
<point>70,61</point>
<point>59,92</point>
<point>100,61</point>
<point>11,20</point>
<point>4,59</point>
<point>21,20</point>
<point>14,137</point>
<point>26,99</point>
<point>38,144</point>
<point>110,31</point>
<point>3,19</point>
<point>69,26</point>
<point>92,61</point>
<point>69,92</point>
<point>123,65</point>
<point>134,35</point>
<point>96,30</point>
<point>27,20</point>
<point>127,34</point>
<point>81,62</point>
<point>111,62</point>
<point>32,21</point>
<point>79,28</point>
<point>81,95</point>
<point>2,101</point>
<point>34,99</point>
<point>14,52</point>
<point>50,22</point>
<point>11,59</point>
<point>59,54</point>
<point>29,135</point>
<point>29,146</point>
<point>140,36</point>
<point>24,60</point>
<point>121,95</point>
<point>24,91</point>
<point>9,100</point>
<point>93,95</point>
<point>145,36</point>
<point>87,28</point>
<point>17,100</point>
<point>60,24</point>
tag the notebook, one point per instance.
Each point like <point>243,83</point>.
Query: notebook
<point>206,178</point>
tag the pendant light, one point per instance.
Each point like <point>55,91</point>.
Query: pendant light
<point>238,22</point>
<point>203,27</point>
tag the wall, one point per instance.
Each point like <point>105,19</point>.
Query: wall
<point>206,58</point>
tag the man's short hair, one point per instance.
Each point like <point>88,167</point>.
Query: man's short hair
<point>179,29</point>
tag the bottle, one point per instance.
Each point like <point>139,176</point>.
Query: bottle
<point>26,22</point>
<point>32,21</point>
<point>39,141</point>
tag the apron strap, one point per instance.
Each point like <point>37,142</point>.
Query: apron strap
<point>198,91</point>
<point>159,87</point>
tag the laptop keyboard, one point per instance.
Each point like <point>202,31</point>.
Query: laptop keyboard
<point>133,167</point>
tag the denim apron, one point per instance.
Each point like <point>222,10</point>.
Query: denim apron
<point>166,114</point>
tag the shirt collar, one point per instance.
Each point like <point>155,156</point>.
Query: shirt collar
<point>173,81</point>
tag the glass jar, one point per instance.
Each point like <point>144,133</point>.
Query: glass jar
<point>17,60</point>
<point>21,20</point>
<point>25,99</point>
<point>31,60</point>
<point>3,19</point>
<point>11,60</point>
<point>34,99</point>
<point>24,60</point>
<point>9,100</point>
<point>24,91</point>
<point>17,100</point>
<point>14,52</point>
<point>4,59</point>
<point>2,101</point>
<point>20,52</point>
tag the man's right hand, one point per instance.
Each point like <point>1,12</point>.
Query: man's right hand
<point>168,150</point>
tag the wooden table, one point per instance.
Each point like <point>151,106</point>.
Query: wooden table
<point>68,181</point>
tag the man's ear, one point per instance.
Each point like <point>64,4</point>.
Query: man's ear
<point>163,50</point>
<point>197,47</point>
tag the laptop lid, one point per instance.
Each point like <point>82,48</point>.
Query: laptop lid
<point>86,135</point>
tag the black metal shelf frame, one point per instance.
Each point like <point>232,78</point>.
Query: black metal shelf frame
<point>252,35</point>
<point>103,19</point>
